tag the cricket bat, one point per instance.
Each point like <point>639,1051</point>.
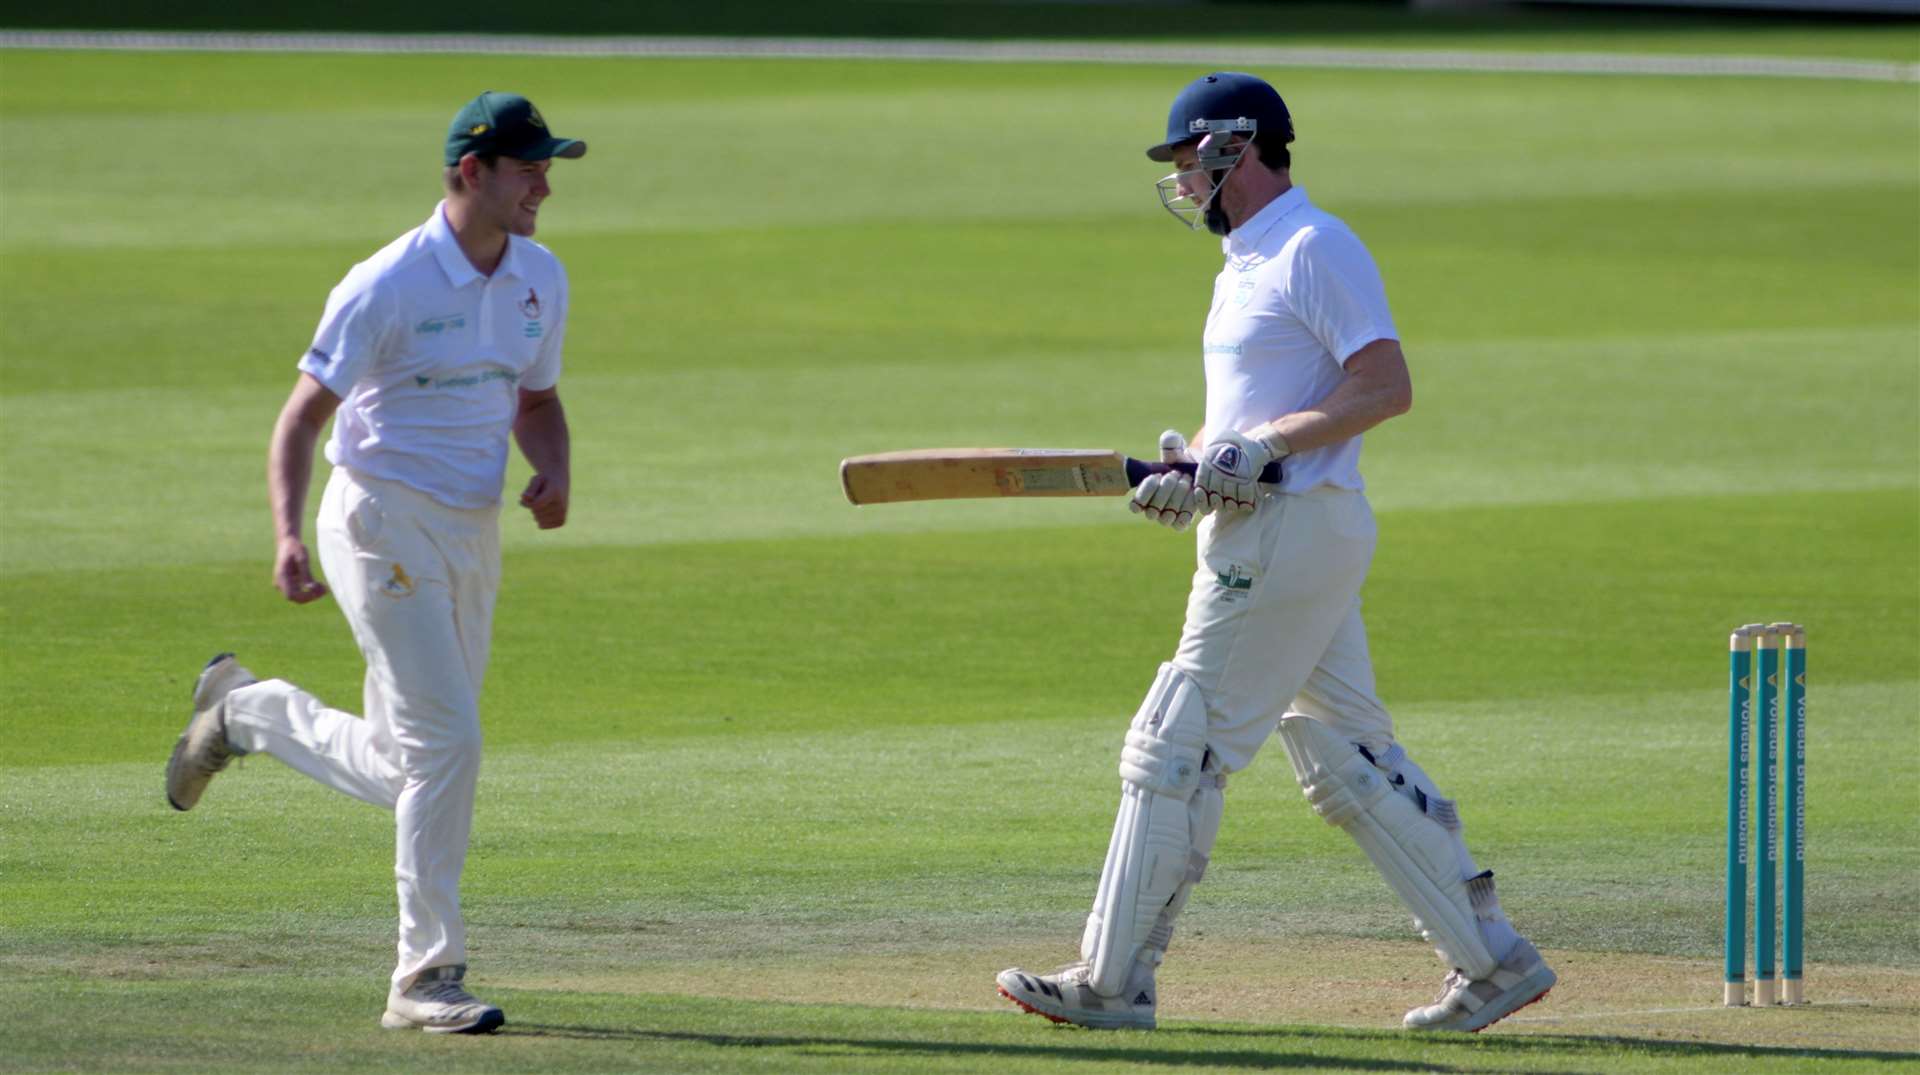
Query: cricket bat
<point>964,473</point>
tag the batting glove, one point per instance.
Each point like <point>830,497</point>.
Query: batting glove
<point>1229,472</point>
<point>1168,499</point>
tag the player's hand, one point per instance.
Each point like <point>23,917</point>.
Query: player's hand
<point>293,575</point>
<point>1229,472</point>
<point>1168,499</point>
<point>546,497</point>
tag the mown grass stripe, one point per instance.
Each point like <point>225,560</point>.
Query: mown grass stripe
<point>858,48</point>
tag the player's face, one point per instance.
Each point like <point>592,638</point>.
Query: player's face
<point>511,191</point>
<point>1189,192</point>
<point>1192,181</point>
<point>1202,186</point>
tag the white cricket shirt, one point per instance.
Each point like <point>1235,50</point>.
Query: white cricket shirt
<point>1299,294</point>
<point>428,357</point>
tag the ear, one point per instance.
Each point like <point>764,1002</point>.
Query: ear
<point>470,168</point>
<point>1249,153</point>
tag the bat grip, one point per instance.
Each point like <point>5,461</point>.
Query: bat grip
<point>1139,469</point>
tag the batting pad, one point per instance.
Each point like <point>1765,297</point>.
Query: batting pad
<point>1169,815</point>
<point>1411,850</point>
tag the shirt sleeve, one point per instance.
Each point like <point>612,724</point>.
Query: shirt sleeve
<point>545,371</point>
<point>355,333</point>
<point>1336,291</point>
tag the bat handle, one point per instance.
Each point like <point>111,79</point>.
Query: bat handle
<point>1139,469</point>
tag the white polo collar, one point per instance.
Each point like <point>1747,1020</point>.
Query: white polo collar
<point>453,260</point>
<point>1245,239</point>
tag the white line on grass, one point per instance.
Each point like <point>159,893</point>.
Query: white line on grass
<point>852,48</point>
<point>1670,1011</point>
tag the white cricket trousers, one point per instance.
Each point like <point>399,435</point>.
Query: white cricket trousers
<point>417,581</point>
<point>1273,622</point>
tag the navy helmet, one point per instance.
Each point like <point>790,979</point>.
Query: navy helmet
<point>1225,101</point>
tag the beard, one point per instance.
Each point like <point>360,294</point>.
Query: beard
<point>1216,217</point>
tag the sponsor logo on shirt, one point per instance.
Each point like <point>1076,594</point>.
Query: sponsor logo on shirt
<point>1235,577</point>
<point>1220,348</point>
<point>433,326</point>
<point>320,356</point>
<point>1243,290</point>
<point>466,380</point>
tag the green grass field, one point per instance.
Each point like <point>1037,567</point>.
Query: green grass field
<point>775,784</point>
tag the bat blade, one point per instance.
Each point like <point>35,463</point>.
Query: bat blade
<point>963,473</point>
<point>967,473</point>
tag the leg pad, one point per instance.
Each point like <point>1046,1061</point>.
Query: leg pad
<point>1170,803</point>
<point>1411,850</point>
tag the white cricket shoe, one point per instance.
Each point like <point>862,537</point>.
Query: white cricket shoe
<point>438,1003</point>
<point>203,749</point>
<point>1065,997</point>
<point>1473,1005</point>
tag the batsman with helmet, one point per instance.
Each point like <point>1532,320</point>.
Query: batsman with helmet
<point>1301,358</point>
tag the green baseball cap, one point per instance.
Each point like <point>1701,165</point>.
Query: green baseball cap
<point>507,124</point>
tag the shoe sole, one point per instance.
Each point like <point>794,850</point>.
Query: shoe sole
<point>486,1024</point>
<point>1552,979</point>
<point>200,705</point>
<point>173,763</point>
<point>1031,1010</point>
<point>1044,1014</point>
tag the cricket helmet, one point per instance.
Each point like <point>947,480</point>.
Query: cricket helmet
<point>1225,102</point>
<point>1220,114</point>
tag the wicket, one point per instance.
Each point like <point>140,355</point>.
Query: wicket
<point>1767,640</point>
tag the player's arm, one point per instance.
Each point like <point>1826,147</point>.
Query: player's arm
<point>289,472</point>
<point>1376,387</point>
<point>541,431</point>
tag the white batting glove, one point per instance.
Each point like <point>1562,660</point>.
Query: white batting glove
<point>1168,499</point>
<point>1229,471</point>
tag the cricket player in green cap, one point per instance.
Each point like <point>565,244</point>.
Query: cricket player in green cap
<point>431,355</point>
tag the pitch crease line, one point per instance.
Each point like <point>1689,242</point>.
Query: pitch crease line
<point>1675,1011</point>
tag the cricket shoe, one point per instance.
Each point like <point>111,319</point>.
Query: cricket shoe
<point>438,1003</point>
<point>1065,997</point>
<point>203,749</point>
<point>1475,1004</point>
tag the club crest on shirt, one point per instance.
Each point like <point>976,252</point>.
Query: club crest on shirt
<point>399,584</point>
<point>530,306</point>
<point>1243,291</point>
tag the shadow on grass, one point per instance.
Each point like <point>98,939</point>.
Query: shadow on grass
<point>1516,1047</point>
<point>1251,1059</point>
<point>1545,1043</point>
